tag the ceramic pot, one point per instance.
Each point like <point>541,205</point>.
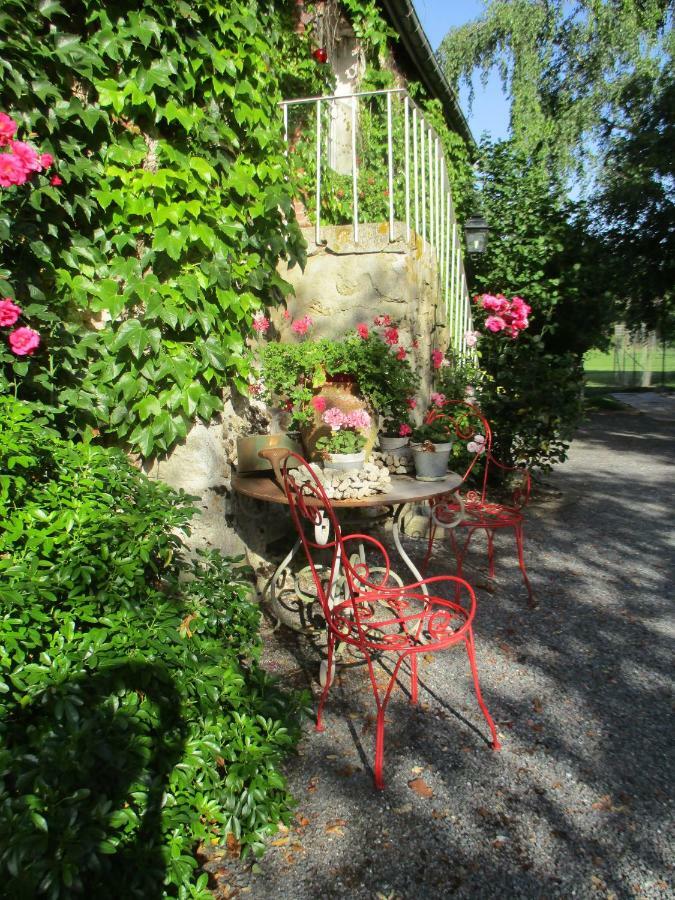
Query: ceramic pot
<point>342,462</point>
<point>389,444</point>
<point>341,392</point>
<point>431,465</point>
<point>248,446</point>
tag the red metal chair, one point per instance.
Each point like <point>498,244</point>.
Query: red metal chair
<point>466,423</point>
<point>362,605</point>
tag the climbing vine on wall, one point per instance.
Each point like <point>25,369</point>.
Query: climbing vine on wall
<point>143,267</point>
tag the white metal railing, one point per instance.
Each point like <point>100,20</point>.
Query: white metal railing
<point>427,199</point>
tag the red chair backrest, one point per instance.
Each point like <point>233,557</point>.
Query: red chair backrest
<point>465,422</point>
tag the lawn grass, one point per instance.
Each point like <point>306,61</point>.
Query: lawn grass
<point>624,370</point>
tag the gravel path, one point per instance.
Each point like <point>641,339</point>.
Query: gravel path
<point>577,802</point>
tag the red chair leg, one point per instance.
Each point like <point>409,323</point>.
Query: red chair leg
<point>379,750</point>
<point>324,693</point>
<point>521,562</point>
<point>471,653</point>
<point>413,678</point>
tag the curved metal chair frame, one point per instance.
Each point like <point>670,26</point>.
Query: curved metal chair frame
<point>464,423</point>
<point>366,608</point>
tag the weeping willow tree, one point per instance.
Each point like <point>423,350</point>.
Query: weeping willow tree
<point>564,66</point>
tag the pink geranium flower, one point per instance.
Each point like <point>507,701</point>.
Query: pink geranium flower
<point>437,359</point>
<point>362,330</point>
<point>24,341</point>
<point>495,324</point>
<point>471,338</point>
<point>319,404</point>
<point>302,326</point>
<point>27,156</point>
<point>260,322</point>
<point>12,170</point>
<point>404,430</point>
<point>334,417</point>
<point>437,399</point>
<point>7,129</point>
<point>401,353</point>
<point>391,336</point>
<point>287,314</point>
<point>382,320</point>
<point>357,418</point>
<point>9,312</point>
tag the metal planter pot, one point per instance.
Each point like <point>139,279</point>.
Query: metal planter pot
<point>431,465</point>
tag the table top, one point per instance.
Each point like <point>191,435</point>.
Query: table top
<point>404,489</point>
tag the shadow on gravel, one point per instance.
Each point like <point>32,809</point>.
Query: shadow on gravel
<point>581,690</point>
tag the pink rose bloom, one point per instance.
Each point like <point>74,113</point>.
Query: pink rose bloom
<point>27,156</point>
<point>24,341</point>
<point>391,336</point>
<point>498,304</point>
<point>437,359</point>
<point>7,129</point>
<point>401,353</point>
<point>319,404</point>
<point>55,181</point>
<point>9,312</point>
<point>334,417</point>
<point>12,170</point>
<point>362,330</point>
<point>404,430</point>
<point>495,324</point>
<point>358,418</point>
<point>46,160</point>
<point>260,322</point>
<point>520,307</point>
<point>437,399</point>
<point>302,326</point>
<point>412,403</point>
<point>477,445</point>
<point>471,338</point>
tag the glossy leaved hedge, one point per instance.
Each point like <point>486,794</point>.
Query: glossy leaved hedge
<point>135,722</point>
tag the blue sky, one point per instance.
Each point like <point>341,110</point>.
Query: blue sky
<point>490,108</point>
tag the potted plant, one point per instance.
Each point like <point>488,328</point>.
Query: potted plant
<point>431,446</point>
<point>342,447</point>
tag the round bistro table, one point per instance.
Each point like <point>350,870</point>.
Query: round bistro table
<point>404,489</point>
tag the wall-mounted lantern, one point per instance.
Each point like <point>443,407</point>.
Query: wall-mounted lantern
<point>476,231</point>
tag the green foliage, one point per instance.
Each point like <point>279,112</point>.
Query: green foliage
<point>563,65</point>
<point>174,210</point>
<point>291,374</point>
<point>135,721</point>
<point>343,441</point>
<point>436,433</point>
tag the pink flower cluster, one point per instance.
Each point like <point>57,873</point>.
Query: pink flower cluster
<point>509,316</point>
<point>477,445</point>
<point>437,359</point>
<point>260,322</point>
<point>437,399</point>
<point>357,418</point>
<point>21,160</point>
<point>302,326</point>
<point>22,341</point>
<point>405,430</point>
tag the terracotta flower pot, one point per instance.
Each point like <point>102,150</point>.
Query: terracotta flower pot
<point>343,394</point>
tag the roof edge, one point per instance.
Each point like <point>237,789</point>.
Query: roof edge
<point>405,20</point>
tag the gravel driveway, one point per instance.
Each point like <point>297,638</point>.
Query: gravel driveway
<point>577,803</point>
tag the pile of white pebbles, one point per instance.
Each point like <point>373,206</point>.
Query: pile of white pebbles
<point>353,484</point>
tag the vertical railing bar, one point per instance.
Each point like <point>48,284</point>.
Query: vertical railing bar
<point>415,167</point>
<point>286,128</point>
<point>430,151</point>
<point>439,193</point>
<point>465,295</point>
<point>355,175</point>
<point>424,180</point>
<point>317,227</point>
<point>390,168</point>
<point>406,112</point>
<point>447,255</point>
<point>441,255</point>
<point>458,264</point>
<point>452,276</point>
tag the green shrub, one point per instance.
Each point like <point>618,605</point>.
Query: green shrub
<point>135,721</point>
